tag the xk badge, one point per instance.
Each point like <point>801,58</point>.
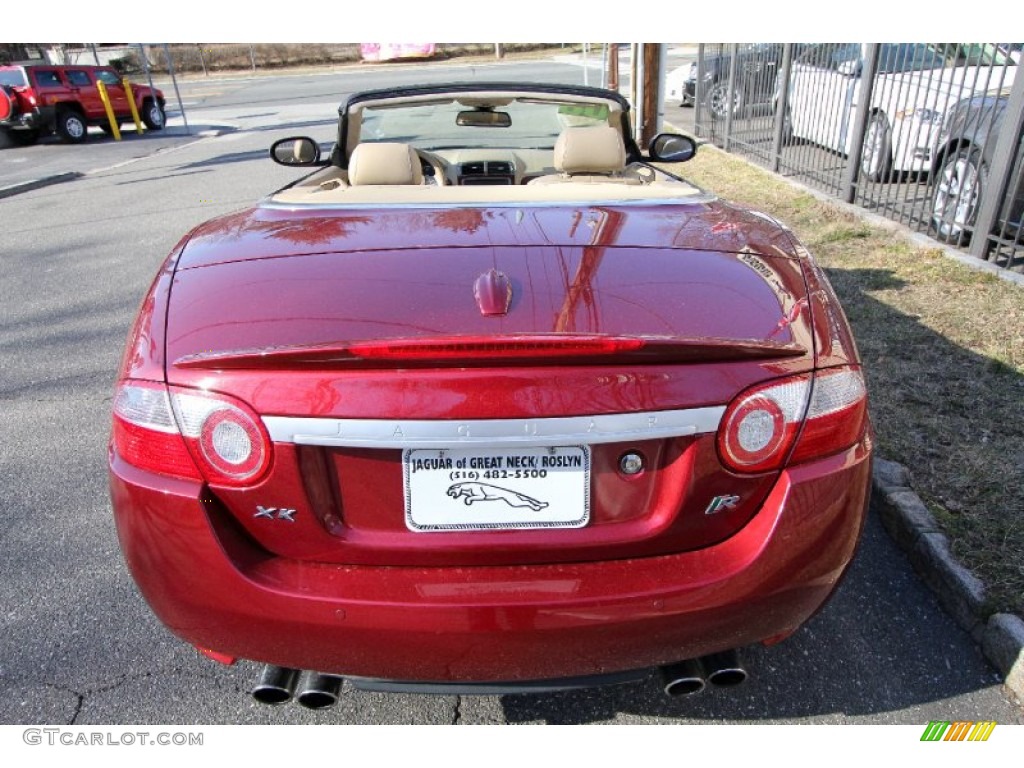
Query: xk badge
<point>275,513</point>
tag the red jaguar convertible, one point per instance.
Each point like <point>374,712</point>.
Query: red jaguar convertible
<point>488,402</point>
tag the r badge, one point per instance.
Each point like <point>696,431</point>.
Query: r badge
<point>721,502</point>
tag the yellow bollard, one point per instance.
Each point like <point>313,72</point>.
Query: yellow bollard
<point>105,98</point>
<point>131,105</point>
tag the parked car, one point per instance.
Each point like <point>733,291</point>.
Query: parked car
<point>757,67</point>
<point>963,156</point>
<point>488,402</point>
<point>915,85</point>
<point>1012,50</point>
<point>37,100</point>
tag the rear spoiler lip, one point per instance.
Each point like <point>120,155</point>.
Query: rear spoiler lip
<point>475,351</point>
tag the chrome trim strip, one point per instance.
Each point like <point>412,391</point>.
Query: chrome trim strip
<point>696,199</point>
<point>570,430</point>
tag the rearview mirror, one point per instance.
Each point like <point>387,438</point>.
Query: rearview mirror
<point>297,150</point>
<point>672,148</point>
<point>483,118</point>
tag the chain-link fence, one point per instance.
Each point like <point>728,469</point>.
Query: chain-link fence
<point>927,134</point>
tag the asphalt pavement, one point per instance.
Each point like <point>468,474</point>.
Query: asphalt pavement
<point>78,645</point>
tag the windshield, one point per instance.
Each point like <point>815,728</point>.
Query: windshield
<point>12,77</point>
<point>530,125</point>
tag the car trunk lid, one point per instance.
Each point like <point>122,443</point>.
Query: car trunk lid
<point>368,367</point>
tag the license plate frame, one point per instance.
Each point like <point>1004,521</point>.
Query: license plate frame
<point>496,488</point>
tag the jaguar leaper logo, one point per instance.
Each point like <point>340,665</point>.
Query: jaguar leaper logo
<point>473,492</point>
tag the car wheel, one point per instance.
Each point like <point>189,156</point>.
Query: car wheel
<point>71,126</point>
<point>721,100</point>
<point>153,115</point>
<point>956,195</point>
<point>876,154</point>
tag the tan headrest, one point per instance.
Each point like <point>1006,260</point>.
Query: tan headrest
<point>303,151</point>
<point>590,149</point>
<point>384,163</point>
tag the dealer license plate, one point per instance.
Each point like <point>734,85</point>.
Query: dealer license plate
<point>496,488</point>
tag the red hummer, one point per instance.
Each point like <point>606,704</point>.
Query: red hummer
<point>36,100</point>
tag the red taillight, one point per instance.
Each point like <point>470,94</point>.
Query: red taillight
<point>174,431</point>
<point>837,415</point>
<point>760,426</point>
<point>145,433</point>
<point>232,447</point>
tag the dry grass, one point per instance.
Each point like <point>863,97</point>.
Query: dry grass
<point>943,348</point>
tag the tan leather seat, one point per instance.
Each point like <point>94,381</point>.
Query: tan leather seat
<point>384,163</point>
<point>592,153</point>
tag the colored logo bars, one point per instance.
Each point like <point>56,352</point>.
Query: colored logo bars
<point>962,730</point>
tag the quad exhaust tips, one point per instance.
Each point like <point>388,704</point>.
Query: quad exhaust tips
<point>277,686</point>
<point>683,678</point>
<point>723,670</point>
<point>320,691</point>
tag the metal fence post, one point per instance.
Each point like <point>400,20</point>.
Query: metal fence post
<point>733,51</point>
<point>698,93</point>
<point>637,87</point>
<point>851,172</point>
<point>202,59</point>
<point>782,106</point>
<point>997,187</point>
<point>177,93</point>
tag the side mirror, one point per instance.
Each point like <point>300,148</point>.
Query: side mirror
<point>297,150</point>
<point>672,148</point>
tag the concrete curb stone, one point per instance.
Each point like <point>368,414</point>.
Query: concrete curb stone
<point>1002,643</point>
<point>960,592</point>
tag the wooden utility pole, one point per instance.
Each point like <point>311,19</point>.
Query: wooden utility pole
<point>649,93</point>
<point>613,66</point>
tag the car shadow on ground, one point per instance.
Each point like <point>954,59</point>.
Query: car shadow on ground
<point>255,154</point>
<point>883,644</point>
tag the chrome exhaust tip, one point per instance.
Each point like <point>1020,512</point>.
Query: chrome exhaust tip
<point>276,685</point>
<point>724,670</point>
<point>320,691</point>
<point>682,678</point>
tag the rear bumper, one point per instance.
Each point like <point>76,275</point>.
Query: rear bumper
<point>212,586</point>
<point>690,92</point>
<point>34,120</point>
